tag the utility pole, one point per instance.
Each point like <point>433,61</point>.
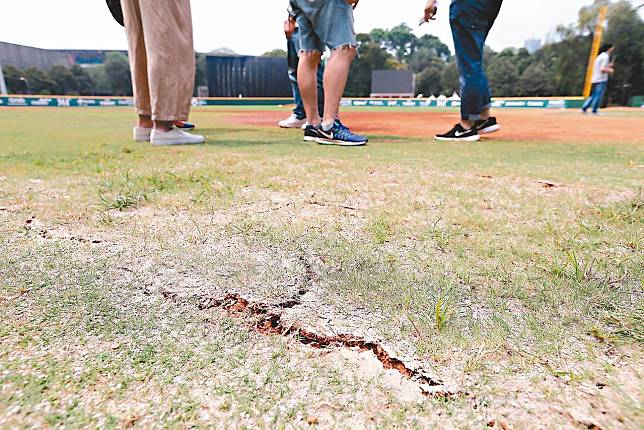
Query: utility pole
<point>594,52</point>
<point>3,84</point>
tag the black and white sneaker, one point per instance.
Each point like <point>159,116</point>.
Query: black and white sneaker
<point>311,134</point>
<point>459,133</point>
<point>487,126</point>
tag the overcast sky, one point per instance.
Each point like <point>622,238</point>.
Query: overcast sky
<point>254,26</point>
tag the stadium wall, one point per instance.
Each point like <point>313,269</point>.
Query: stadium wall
<point>88,101</point>
<point>232,76</point>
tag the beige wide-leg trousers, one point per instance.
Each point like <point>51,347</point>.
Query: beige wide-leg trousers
<point>162,57</point>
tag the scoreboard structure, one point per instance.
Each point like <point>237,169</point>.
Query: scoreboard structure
<point>393,84</point>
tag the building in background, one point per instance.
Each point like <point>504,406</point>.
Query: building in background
<point>24,57</point>
<point>533,45</point>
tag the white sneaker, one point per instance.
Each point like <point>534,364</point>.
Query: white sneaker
<point>292,122</point>
<point>175,137</point>
<point>142,134</point>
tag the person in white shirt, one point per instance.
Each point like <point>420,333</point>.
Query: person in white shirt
<point>602,70</point>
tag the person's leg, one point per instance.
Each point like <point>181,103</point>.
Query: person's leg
<point>167,28</point>
<point>486,100</point>
<point>493,7</point>
<point>328,23</point>
<point>469,24</point>
<point>335,80</point>
<point>599,96</point>
<point>321,89</point>
<point>293,46</point>
<point>334,23</point>
<point>469,40</point>
<point>590,100</point>
<point>310,55</point>
<point>138,67</point>
<point>307,81</point>
<point>167,25</point>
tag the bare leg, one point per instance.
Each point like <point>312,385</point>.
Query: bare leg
<point>145,121</point>
<point>307,80</point>
<point>485,114</point>
<point>163,125</point>
<point>467,125</point>
<point>335,80</point>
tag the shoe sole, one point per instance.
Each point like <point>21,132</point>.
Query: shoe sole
<point>475,138</point>
<point>290,127</point>
<point>176,143</point>
<point>309,139</point>
<point>339,142</point>
<point>490,129</point>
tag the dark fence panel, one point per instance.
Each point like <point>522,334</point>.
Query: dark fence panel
<point>248,76</point>
<point>393,82</point>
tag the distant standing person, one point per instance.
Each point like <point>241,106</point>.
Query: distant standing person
<point>298,117</point>
<point>326,24</point>
<point>471,22</point>
<point>602,70</point>
<point>162,60</point>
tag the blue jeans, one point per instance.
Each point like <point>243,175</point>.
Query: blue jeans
<point>324,23</point>
<point>471,22</point>
<point>293,49</point>
<point>596,97</point>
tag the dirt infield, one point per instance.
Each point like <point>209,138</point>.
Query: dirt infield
<point>517,125</point>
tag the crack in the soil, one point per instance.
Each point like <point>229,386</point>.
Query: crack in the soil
<point>270,322</point>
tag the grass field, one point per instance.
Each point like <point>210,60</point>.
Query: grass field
<point>147,287</point>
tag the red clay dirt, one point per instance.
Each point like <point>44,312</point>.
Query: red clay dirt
<point>517,125</point>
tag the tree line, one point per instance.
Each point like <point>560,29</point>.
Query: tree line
<point>110,78</point>
<point>557,69</point>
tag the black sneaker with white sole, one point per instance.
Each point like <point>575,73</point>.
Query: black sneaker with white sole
<point>311,134</point>
<point>459,133</point>
<point>487,126</point>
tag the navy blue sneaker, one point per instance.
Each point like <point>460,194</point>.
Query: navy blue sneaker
<point>340,135</point>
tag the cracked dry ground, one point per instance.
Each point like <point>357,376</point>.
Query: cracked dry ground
<point>257,282</point>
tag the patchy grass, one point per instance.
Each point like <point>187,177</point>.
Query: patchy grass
<point>527,298</point>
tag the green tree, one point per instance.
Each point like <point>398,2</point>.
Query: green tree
<point>625,29</point>
<point>65,81</point>
<point>523,59</point>
<point>430,80</point>
<point>378,36</point>
<point>567,60</point>
<point>372,57</point>
<point>39,81</point>
<point>450,78</point>
<point>537,81</point>
<point>275,53</point>
<point>428,49</point>
<point>117,69</point>
<point>587,17</point>
<point>12,78</point>
<point>102,84</point>
<point>83,79</point>
<point>399,41</point>
<point>503,74</point>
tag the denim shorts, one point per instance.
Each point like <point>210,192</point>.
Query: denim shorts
<point>324,23</point>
